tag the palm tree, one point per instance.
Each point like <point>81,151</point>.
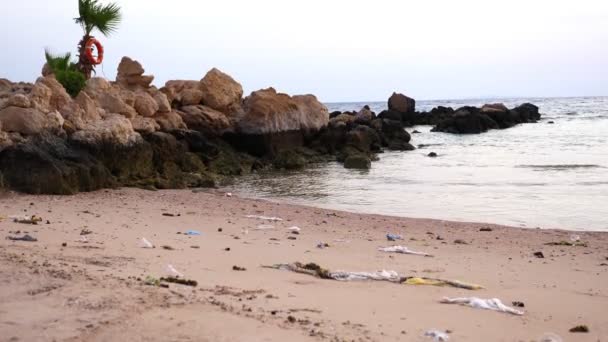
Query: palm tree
<point>95,16</point>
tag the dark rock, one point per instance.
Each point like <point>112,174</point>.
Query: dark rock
<point>539,255</point>
<point>432,154</point>
<point>550,122</point>
<point>580,329</point>
<point>357,161</point>
<point>334,114</point>
<point>401,103</point>
<point>289,160</point>
<point>466,120</point>
<point>415,131</point>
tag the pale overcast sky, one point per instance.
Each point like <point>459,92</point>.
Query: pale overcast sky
<point>339,50</point>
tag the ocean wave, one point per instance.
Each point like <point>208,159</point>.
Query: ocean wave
<point>560,166</point>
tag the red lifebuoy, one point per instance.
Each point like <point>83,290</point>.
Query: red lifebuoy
<point>89,51</point>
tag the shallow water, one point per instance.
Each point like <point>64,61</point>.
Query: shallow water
<point>532,175</point>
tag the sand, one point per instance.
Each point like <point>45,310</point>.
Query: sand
<point>61,288</point>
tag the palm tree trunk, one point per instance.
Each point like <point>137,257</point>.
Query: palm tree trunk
<point>84,65</point>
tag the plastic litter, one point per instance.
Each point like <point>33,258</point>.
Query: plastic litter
<point>402,250</point>
<point>575,238</point>
<point>173,272</point>
<point>441,282</point>
<point>264,227</point>
<point>322,245</point>
<point>25,237</point>
<point>494,304</point>
<point>267,218</point>
<point>550,337</point>
<point>393,237</point>
<point>383,275</point>
<point>26,219</point>
<point>437,335</point>
<point>143,243</point>
<point>294,229</point>
<point>229,194</point>
<point>83,239</point>
<point>192,233</point>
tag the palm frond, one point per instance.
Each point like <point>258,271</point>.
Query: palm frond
<point>93,15</point>
<point>59,62</point>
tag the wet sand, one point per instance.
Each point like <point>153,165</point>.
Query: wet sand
<point>62,288</point>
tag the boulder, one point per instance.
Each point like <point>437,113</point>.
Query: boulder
<point>221,92</point>
<point>26,121</point>
<point>401,103</point>
<point>205,119</point>
<point>174,88</point>
<point>170,121</point>
<point>364,139</point>
<point>267,111</point>
<point>493,108</point>
<point>161,100</point>
<point>131,74</point>
<point>342,119</point>
<point>144,125</point>
<point>54,99</point>
<point>112,102</point>
<point>313,114</point>
<point>358,161</point>
<point>145,105</point>
<point>393,135</point>
<point>191,96</point>
<point>527,112</point>
<point>364,116</point>
<point>96,86</point>
<point>18,100</point>
<point>90,113</point>
<point>114,129</point>
<point>466,120</point>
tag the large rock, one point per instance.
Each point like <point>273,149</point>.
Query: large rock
<point>205,119</point>
<point>401,103</point>
<point>527,112</point>
<point>267,111</point>
<point>47,164</point>
<point>358,161</point>
<point>131,74</point>
<point>364,116</point>
<point>144,125</point>
<point>18,100</point>
<point>145,105</point>
<point>26,121</point>
<point>114,129</point>
<point>174,89</point>
<point>161,100</point>
<point>221,92</point>
<point>466,120</point>
<point>191,96</point>
<point>170,121</point>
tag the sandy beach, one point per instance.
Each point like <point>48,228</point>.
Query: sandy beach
<point>83,279</point>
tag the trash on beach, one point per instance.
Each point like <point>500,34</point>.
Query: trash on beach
<point>192,233</point>
<point>322,245</point>
<point>539,255</point>
<point>267,218</point>
<point>144,243</point>
<point>171,215</point>
<point>575,238</point>
<point>393,237</point>
<point>437,335</point>
<point>180,281</point>
<point>238,268</point>
<point>402,250</point>
<point>172,271</point>
<point>550,337</point>
<point>264,227</point>
<point>26,219</point>
<point>150,280</point>
<point>383,275</point>
<point>441,282</point>
<point>25,237</point>
<point>83,239</point>
<point>294,229</point>
<point>228,194</point>
<point>580,329</point>
<point>494,304</point>
<point>567,243</point>
<point>518,304</point>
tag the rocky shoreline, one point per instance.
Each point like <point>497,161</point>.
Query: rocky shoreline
<point>195,133</point>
